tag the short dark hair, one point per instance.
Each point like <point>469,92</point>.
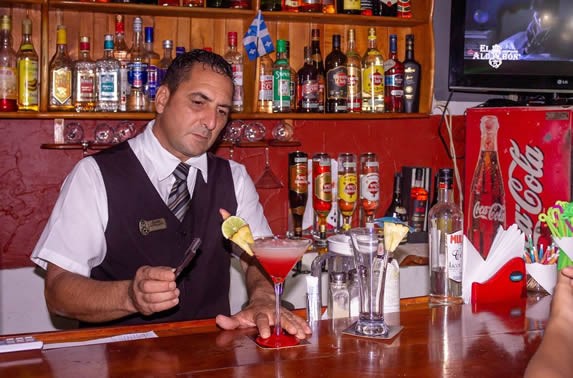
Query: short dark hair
<point>181,66</point>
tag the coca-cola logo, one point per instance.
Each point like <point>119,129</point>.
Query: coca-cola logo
<point>495,212</point>
<point>373,187</point>
<point>526,194</point>
<point>350,189</point>
<point>340,79</point>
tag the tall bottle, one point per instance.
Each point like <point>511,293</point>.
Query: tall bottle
<point>120,52</point>
<point>298,188</point>
<point>152,59</point>
<point>412,76</point>
<point>318,63</point>
<point>281,80</point>
<point>321,194</point>
<point>137,100</point>
<point>393,79</point>
<point>235,59</point>
<point>369,187</point>
<point>84,79</point>
<point>307,85</point>
<point>28,74</point>
<point>165,60</point>
<point>107,79</point>
<point>61,69</point>
<point>445,244</point>
<point>8,76</point>
<point>348,6</point>
<point>372,77</point>
<point>487,195</point>
<point>347,188</point>
<point>265,98</point>
<point>293,80</point>
<point>354,71</point>
<point>397,209</point>
<point>336,78</point>
<point>418,202</point>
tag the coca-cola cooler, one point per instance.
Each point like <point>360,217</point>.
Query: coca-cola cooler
<point>518,163</point>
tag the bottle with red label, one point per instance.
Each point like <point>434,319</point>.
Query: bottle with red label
<point>487,195</point>
<point>322,192</point>
<point>369,187</point>
<point>297,188</point>
<point>393,79</point>
<point>347,188</point>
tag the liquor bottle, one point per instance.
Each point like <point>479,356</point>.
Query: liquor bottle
<point>240,4</point>
<point>307,86</point>
<point>165,60</point>
<point>61,68</point>
<point>372,77</point>
<point>314,6</point>
<point>281,80</point>
<point>298,188</point>
<point>347,188</point>
<point>137,100</point>
<point>404,9</point>
<point>28,74</point>
<point>235,59</point>
<point>338,298</point>
<point>84,80</point>
<point>8,77</point>
<point>271,5</point>
<point>217,3</point>
<point>349,6</point>
<point>445,244</point>
<point>179,50</point>
<point>487,195</point>
<point>193,3</point>
<point>165,3</point>
<point>412,75</point>
<point>107,78</point>
<point>321,194</point>
<point>418,202</point>
<point>366,7</point>
<point>393,80</point>
<point>369,187</point>
<point>397,209</point>
<point>265,98</point>
<point>328,7</point>
<point>120,52</point>
<point>152,59</point>
<point>336,78</point>
<point>293,80</point>
<point>386,8</point>
<point>354,71</point>
<point>291,5</point>
<point>318,63</point>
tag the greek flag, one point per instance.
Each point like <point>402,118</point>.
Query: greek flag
<point>257,40</point>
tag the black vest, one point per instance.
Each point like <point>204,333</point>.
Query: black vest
<point>131,197</point>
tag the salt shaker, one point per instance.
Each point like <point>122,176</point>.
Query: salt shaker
<point>338,303</point>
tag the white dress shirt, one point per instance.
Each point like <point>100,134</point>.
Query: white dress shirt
<point>74,237</point>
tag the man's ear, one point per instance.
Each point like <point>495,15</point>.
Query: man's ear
<point>161,98</point>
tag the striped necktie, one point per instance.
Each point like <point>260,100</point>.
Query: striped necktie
<point>179,198</point>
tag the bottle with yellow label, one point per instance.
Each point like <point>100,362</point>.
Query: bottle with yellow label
<point>372,77</point>
<point>347,188</point>
<point>27,68</point>
<point>61,69</point>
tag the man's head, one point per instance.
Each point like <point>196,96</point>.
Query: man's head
<point>193,103</point>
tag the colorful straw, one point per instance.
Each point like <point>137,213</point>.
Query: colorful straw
<point>559,220</point>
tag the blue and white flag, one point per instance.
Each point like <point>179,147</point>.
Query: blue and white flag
<point>257,40</point>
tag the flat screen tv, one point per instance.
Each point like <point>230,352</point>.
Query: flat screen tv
<point>511,46</point>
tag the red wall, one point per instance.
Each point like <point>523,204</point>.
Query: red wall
<point>31,177</point>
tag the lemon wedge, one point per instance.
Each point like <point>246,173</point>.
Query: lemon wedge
<point>238,231</point>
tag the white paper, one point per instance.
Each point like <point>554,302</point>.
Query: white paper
<point>104,340</point>
<point>566,245</point>
<point>544,274</point>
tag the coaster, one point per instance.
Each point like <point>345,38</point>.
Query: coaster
<point>393,330</point>
<point>301,343</point>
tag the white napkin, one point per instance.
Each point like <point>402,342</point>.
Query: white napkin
<point>566,245</point>
<point>544,274</point>
<point>507,244</point>
<point>308,217</point>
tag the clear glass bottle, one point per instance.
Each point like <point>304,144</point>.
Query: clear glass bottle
<point>372,77</point>
<point>281,80</point>
<point>338,299</point>
<point>152,59</point>
<point>307,85</point>
<point>265,99</point>
<point>137,100</point>
<point>120,52</point>
<point>336,78</point>
<point>354,72</point>
<point>445,244</point>
<point>235,59</point>
<point>293,80</point>
<point>394,79</point>
<point>412,74</point>
<point>28,73</point>
<point>8,76</point>
<point>107,78</point>
<point>84,80</point>
<point>61,72</point>
<point>165,60</point>
<point>319,64</point>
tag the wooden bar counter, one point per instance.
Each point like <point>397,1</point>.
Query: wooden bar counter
<point>453,341</point>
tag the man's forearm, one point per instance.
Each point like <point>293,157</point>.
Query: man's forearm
<point>259,287</point>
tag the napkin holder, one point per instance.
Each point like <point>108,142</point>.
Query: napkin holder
<point>507,286</point>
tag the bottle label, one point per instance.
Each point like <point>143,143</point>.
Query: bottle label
<point>266,87</point>
<point>370,186</point>
<point>152,78</point>
<point>8,82</point>
<point>137,74</point>
<point>373,80</point>
<point>86,87</point>
<point>347,187</point>
<point>336,81</point>
<point>454,247</point>
<point>28,83</point>
<point>323,187</point>
<point>62,85</point>
<point>298,177</point>
<point>351,5</point>
<point>281,88</point>
<point>108,83</point>
<point>353,89</point>
<point>394,80</point>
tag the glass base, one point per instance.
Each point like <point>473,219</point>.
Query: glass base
<point>372,327</point>
<point>277,341</point>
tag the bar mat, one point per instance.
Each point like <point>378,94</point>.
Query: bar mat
<point>392,332</point>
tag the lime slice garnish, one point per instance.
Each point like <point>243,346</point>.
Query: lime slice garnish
<point>238,231</point>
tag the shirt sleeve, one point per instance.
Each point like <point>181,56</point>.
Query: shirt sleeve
<point>74,236</point>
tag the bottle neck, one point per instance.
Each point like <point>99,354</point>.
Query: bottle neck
<point>84,54</point>
<point>372,43</point>
<point>409,52</point>
<point>445,193</point>
<point>351,45</point>
<point>108,53</point>
<point>5,38</point>
<point>167,52</point>
<point>137,39</point>
<point>62,49</point>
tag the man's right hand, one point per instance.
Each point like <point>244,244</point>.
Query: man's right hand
<point>153,289</point>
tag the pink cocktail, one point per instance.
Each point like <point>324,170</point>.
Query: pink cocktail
<point>278,256</point>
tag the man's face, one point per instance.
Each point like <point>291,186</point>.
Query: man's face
<point>190,119</point>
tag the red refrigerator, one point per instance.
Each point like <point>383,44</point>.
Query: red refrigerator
<point>517,164</point>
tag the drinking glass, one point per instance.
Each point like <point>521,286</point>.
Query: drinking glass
<point>103,133</point>
<point>283,132</point>
<point>268,179</point>
<point>234,131</point>
<point>73,132</point>
<point>254,132</point>
<point>277,256</point>
<point>124,131</point>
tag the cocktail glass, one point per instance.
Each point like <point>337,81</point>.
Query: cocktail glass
<point>278,255</point>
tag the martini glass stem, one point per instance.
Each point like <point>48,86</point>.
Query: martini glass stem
<point>278,291</point>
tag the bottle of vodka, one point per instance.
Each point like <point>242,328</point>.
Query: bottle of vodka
<point>107,79</point>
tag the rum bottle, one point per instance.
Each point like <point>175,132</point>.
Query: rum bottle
<point>298,188</point>
<point>336,78</point>
<point>487,195</point>
<point>165,60</point>
<point>412,75</point>
<point>388,8</point>
<point>120,52</point>
<point>235,59</point>
<point>397,209</point>
<point>84,79</point>
<point>28,74</point>
<point>281,80</point>
<point>318,63</point>
<point>8,76</point>
<point>349,6</point>
<point>369,187</point>
<point>61,69</point>
<point>418,201</point>
<point>307,85</point>
<point>314,6</point>
<point>322,193</point>
<point>152,59</point>
<point>354,72</point>
<point>372,77</point>
<point>137,100</point>
<point>445,244</point>
<point>265,99</point>
<point>107,79</point>
<point>347,188</point>
<point>393,80</point>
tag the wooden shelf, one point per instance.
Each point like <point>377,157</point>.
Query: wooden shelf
<point>261,144</point>
<point>86,145</point>
<point>341,19</point>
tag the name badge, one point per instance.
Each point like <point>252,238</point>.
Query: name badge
<point>147,226</point>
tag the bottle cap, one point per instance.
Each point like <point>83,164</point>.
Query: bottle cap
<point>137,24</point>
<point>446,175</point>
<point>167,44</point>
<point>179,50</point>
<point>119,26</point>
<point>232,37</point>
<point>281,45</point>
<point>61,35</point>
<point>148,34</point>
<point>5,22</point>
<point>26,26</point>
<point>108,42</point>
<point>84,43</point>
<point>338,277</point>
